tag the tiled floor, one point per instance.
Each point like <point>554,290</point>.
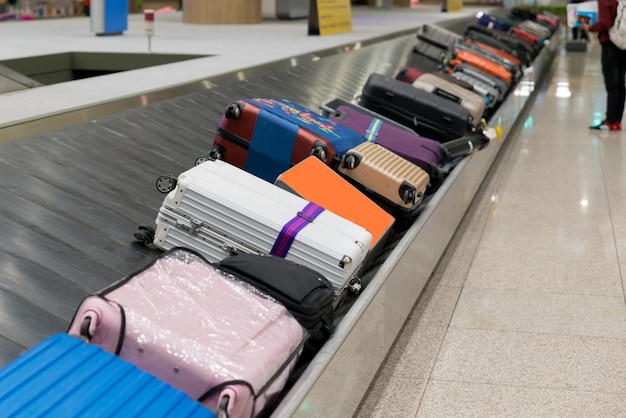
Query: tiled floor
<point>525,314</point>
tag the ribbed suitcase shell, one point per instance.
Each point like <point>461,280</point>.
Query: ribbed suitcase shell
<point>471,101</point>
<point>429,115</point>
<point>217,208</point>
<point>385,174</point>
<point>318,183</point>
<point>201,331</point>
<point>64,377</point>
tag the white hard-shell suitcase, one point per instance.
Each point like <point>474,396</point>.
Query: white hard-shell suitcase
<point>218,209</point>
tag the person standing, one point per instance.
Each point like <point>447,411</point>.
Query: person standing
<point>613,67</point>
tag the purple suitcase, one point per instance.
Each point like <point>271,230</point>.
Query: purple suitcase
<point>215,338</point>
<point>424,152</point>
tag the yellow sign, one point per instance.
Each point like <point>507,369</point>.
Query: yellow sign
<point>327,17</point>
<point>454,5</point>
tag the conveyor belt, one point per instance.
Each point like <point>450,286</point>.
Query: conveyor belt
<point>72,198</point>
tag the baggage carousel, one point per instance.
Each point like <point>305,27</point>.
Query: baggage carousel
<point>72,199</point>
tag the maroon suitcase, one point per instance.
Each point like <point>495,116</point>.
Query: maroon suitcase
<point>267,136</point>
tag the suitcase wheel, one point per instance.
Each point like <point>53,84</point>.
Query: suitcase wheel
<point>408,194</point>
<point>351,161</point>
<point>320,151</point>
<point>203,159</point>
<point>233,111</point>
<point>217,153</point>
<point>144,235</point>
<point>166,183</point>
<point>85,335</point>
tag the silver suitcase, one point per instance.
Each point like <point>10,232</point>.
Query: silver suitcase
<point>218,210</point>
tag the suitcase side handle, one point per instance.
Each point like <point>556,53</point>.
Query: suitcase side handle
<point>447,95</point>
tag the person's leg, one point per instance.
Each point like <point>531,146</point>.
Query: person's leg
<point>621,87</point>
<point>613,82</point>
<point>610,74</point>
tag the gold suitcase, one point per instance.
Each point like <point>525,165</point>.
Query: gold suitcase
<point>396,184</point>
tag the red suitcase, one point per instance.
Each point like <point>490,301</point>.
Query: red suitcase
<point>265,137</point>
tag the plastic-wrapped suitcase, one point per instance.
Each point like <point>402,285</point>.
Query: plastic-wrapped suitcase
<point>218,209</point>
<point>314,181</point>
<point>214,337</point>
<point>471,101</point>
<point>64,377</point>
<point>494,82</point>
<point>427,153</point>
<point>267,136</point>
<point>304,292</point>
<point>481,63</point>
<point>427,114</point>
<point>395,183</point>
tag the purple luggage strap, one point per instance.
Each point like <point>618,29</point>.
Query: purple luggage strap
<point>288,234</point>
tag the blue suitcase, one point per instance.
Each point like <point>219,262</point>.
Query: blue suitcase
<point>65,377</point>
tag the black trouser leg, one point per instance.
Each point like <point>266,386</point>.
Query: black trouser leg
<point>614,73</point>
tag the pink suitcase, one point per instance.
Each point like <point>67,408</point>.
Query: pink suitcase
<point>217,339</point>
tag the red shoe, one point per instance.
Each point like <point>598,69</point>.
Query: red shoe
<point>608,126</point>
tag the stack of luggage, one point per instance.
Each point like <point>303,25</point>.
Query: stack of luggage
<point>272,231</point>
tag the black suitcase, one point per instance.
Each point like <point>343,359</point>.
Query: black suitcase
<point>513,41</point>
<point>427,114</point>
<point>427,57</point>
<point>521,54</point>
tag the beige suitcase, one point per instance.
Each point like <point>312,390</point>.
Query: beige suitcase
<point>469,99</point>
<point>396,184</point>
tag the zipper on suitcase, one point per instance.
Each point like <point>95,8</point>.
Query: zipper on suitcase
<point>237,140</point>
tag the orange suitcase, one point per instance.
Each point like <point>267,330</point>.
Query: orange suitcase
<point>314,181</point>
<point>483,64</point>
<point>500,52</point>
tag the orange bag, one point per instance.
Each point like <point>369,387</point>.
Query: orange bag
<point>314,181</point>
<point>500,52</point>
<point>483,64</point>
